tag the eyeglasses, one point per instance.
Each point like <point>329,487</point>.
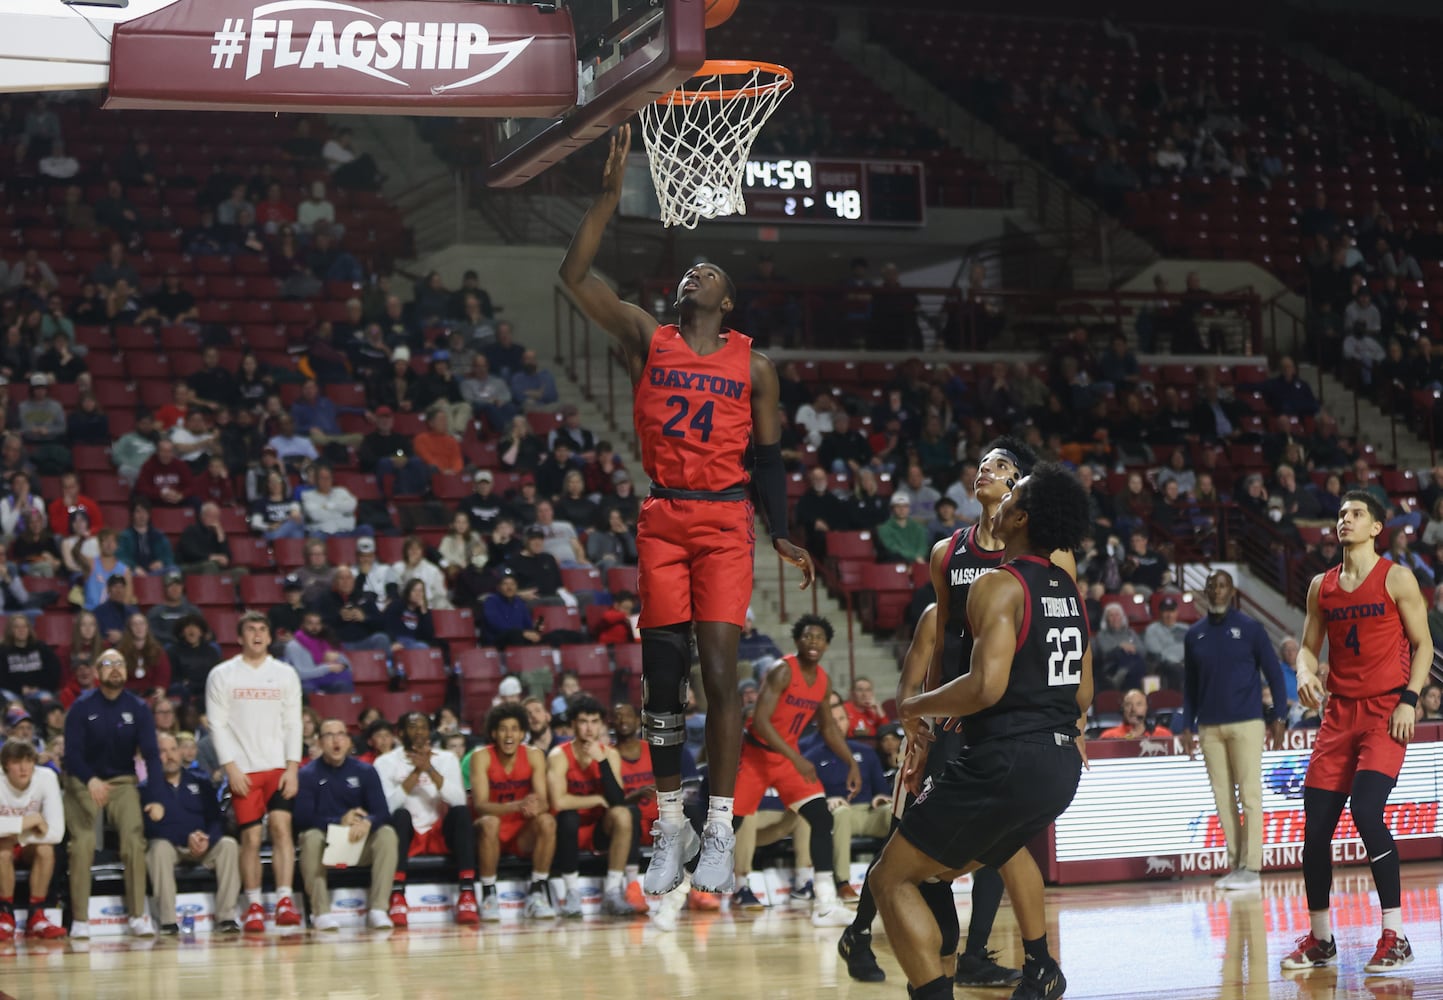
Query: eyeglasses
<point>110,663</point>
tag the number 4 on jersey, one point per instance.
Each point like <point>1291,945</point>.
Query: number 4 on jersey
<point>701,423</point>
<point>1351,641</point>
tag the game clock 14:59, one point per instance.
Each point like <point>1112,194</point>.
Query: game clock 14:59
<point>844,192</point>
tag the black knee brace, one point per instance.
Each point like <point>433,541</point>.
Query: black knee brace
<point>665,667</point>
<point>819,819</point>
<point>938,897</point>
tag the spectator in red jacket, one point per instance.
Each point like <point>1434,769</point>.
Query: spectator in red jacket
<point>864,715</point>
<point>615,625</point>
<point>164,479</point>
<point>69,501</point>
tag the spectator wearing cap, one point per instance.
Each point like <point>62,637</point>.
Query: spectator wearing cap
<point>203,547</point>
<point>899,538</point>
<point>174,606</point>
<point>562,543</point>
<point>317,416</point>
<point>392,387</point>
<point>184,826</point>
<point>164,480</point>
<point>1163,642</point>
<point>337,790</point>
<point>42,418</point>
<point>112,613</point>
<point>373,576</point>
<point>82,679</point>
<point>612,545</point>
<point>32,822</point>
<point>21,726</point>
<point>582,441</point>
<point>438,389</point>
<point>437,447</point>
<point>390,457</point>
<point>483,506</point>
<point>538,574</point>
<point>71,500</point>
<point>105,731</point>
<point>622,497</point>
<point>488,394</point>
<point>750,691</point>
<point>506,617</point>
<point>285,618</point>
<point>533,387</point>
<point>141,546</point>
<point>330,509</point>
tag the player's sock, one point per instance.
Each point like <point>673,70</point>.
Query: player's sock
<point>805,875</point>
<point>573,884</point>
<point>719,809</point>
<point>539,884</point>
<point>1320,925</point>
<point>38,903</point>
<point>938,989</point>
<point>283,892</point>
<point>1036,951</point>
<point>1392,920</point>
<point>467,878</point>
<point>670,807</point>
<point>253,897</point>
<point>398,883</point>
<point>632,872</point>
<point>488,885</point>
<point>615,881</point>
<point>866,906</point>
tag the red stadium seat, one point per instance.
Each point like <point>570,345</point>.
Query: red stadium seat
<point>586,661</point>
<point>206,590</point>
<point>149,590</point>
<point>851,545</point>
<point>581,579</point>
<point>171,521</point>
<point>425,670</point>
<point>290,553</point>
<point>621,578</point>
<point>54,628</point>
<point>261,590</point>
<point>523,658</point>
<point>459,623</point>
<point>368,666</point>
<point>479,663</point>
<point>346,707</point>
<point>556,617</point>
<point>249,553</point>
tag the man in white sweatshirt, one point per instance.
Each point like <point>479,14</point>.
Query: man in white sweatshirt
<point>32,818</point>
<point>329,509</point>
<point>253,703</point>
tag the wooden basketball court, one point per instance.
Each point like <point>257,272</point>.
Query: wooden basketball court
<point>1179,940</point>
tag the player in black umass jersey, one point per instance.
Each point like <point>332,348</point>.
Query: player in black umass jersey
<point>956,562</point>
<point>1018,705</point>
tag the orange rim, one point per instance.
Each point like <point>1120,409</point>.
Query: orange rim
<point>730,67</point>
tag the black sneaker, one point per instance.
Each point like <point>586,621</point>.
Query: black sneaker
<point>862,965</point>
<point>745,899</point>
<point>228,927</point>
<point>170,930</point>
<point>983,970</point>
<point>1040,982</point>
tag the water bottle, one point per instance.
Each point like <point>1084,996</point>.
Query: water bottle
<point>187,924</point>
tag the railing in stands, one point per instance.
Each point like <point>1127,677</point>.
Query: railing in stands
<point>571,321</point>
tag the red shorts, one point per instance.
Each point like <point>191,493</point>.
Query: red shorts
<point>430,842</point>
<point>694,561</point>
<point>264,796</point>
<point>762,769</point>
<point>512,824</point>
<point>1354,737</point>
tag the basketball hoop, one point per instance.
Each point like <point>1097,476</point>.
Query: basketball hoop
<point>699,136</point>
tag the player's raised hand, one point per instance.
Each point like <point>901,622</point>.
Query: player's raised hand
<point>798,557</point>
<point>615,171</point>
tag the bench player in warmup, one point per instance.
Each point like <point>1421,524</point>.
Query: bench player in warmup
<point>702,396</point>
<point>794,692</point>
<point>1379,654</point>
<point>1018,705</point>
<point>956,563</point>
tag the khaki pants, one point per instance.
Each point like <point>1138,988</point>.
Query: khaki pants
<point>1233,753</point>
<point>223,858</point>
<point>767,826</point>
<point>855,819</point>
<point>123,811</point>
<point>379,855</point>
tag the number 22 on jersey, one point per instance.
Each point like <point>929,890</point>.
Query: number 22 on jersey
<point>1064,659</point>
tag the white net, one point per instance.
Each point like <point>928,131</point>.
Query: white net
<point>698,139</point>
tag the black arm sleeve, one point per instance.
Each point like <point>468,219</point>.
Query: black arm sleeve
<point>770,481</point>
<point>611,790</point>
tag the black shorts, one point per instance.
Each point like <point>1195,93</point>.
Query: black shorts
<point>993,798</point>
<point>947,746</point>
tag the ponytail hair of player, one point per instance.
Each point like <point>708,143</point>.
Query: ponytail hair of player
<point>809,621</point>
<point>1025,456</point>
<point>1375,509</point>
<point>1056,508</point>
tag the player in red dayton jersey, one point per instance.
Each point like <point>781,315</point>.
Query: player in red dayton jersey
<point>702,395</point>
<point>1379,652</point>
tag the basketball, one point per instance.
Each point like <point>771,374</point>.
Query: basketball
<point>717,11</point>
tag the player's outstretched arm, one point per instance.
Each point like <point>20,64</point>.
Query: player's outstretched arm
<point>770,475</point>
<point>938,567</point>
<point>1403,585</point>
<point>1310,686</point>
<point>630,325</point>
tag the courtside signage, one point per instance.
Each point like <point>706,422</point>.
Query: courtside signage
<point>413,56</point>
<point>1154,817</point>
